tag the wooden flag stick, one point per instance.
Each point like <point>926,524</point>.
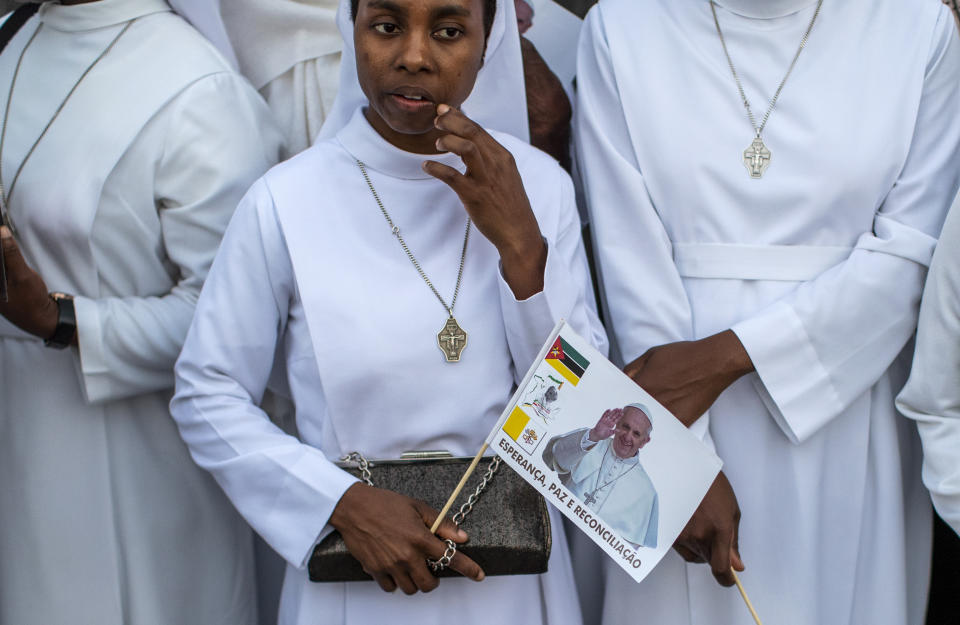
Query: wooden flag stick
<point>746,599</point>
<point>456,491</point>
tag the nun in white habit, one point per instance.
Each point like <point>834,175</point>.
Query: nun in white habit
<point>291,51</point>
<point>128,142</point>
<point>310,269</point>
<point>773,268</point>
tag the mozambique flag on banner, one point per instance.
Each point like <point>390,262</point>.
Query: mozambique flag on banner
<point>567,361</point>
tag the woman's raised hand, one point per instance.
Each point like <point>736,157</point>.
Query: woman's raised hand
<point>492,193</point>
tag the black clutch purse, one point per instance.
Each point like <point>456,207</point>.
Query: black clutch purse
<point>505,517</point>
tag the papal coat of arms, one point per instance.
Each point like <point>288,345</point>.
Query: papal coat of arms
<point>530,436</point>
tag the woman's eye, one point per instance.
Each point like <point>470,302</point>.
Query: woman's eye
<point>386,28</point>
<point>448,33</point>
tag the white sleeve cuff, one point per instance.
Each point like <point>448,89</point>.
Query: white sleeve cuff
<point>529,322</point>
<point>94,372</point>
<point>585,443</point>
<point>300,514</point>
<point>792,382</point>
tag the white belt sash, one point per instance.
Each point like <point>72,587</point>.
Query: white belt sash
<point>795,263</point>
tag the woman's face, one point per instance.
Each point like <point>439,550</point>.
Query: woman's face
<point>413,55</point>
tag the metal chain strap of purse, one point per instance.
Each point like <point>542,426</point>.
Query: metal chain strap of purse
<point>444,561</point>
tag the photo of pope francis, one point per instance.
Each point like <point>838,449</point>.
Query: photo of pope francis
<point>600,465</point>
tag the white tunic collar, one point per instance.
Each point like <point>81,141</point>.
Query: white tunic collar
<point>621,462</point>
<point>765,9</point>
<point>360,139</point>
<point>100,14</point>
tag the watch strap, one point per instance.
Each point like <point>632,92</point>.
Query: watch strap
<point>66,328</point>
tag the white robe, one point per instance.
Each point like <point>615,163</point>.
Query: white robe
<point>310,267</point>
<point>104,517</point>
<point>290,51</point>
<point>932,394</point>
<point>817,267</point>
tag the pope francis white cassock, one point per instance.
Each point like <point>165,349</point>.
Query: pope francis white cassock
<point>617,488</point>
<point>104,519</point>
<point>310,270</point>
<point>817,267</point>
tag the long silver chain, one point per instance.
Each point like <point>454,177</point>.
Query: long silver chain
<point>5,194</point>
<point>444,561</point>
<point>396,232</point>
<point>736,78</point>
<point>467,507</point>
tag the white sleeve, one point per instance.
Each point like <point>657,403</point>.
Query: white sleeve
<point>219,138</point>
<point>569,449</point>
<point>827,342</point>
<point>932,394</point>
<point>645,301</point>
<point>567,289</point>
<point>284,488</point>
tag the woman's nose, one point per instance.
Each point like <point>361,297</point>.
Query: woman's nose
<point>415,53</point>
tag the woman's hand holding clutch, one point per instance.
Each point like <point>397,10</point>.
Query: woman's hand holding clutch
<point>390,535</point>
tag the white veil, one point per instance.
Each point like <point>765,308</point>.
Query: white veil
<point>498,99</point>
<point>205,17</point>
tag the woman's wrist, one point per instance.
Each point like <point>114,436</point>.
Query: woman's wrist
<point>523,267</point>
<point>729,354</point>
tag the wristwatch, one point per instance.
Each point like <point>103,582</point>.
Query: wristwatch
<point>66,322</point>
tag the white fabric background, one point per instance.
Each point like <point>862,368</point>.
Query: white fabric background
<point>105,517</point>
<point>865,142</point>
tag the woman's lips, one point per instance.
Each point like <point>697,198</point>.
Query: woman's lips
<point>411,104</point>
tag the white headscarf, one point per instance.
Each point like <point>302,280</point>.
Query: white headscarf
<point>276,34</point>
<point>205,17</point>
<point>498,99</point>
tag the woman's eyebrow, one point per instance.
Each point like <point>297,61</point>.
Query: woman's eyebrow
<point>387,5</point>
<point>450,10</point>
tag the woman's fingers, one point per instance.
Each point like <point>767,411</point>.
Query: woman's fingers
<point>405,583</point>
<point>18,272</point>
<point>386,582</point>
<point>422,577</point>
<point>448,175</point>
<point>735,560</point>
<point>467,567</point>
<point>688,554</point>
<point>455,122</point>
<point>28,306</point>
<point>720,557</point>
<point>447,530</point>
<point>437,546</point>
<point>466,149</point>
